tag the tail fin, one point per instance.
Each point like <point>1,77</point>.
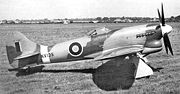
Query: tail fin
<point>21,51</point>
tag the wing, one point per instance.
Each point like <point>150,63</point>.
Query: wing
<point>116,52</point>
<point>133,55</point>
<point>120,72</point>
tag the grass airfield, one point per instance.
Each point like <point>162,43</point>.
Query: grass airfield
<point>54,81</point>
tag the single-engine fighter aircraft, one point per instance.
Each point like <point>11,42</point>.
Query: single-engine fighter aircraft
<point>100,45</point>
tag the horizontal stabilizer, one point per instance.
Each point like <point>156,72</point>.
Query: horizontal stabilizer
<point>20,50</point>
<point>27,55</point>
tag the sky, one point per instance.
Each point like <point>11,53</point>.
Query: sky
<point>53,9</point>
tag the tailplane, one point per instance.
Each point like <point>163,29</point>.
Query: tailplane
<point>21,51</point>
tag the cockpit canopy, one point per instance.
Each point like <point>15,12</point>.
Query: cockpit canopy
<point>98,31</point>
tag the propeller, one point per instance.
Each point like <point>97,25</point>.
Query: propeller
<point>166,29</point>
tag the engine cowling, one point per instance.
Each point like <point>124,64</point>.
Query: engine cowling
<point>152,47</point>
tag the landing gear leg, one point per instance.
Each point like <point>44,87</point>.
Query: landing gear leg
<point>28,70</point>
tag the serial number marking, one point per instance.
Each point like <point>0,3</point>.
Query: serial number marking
<point>47,55</point>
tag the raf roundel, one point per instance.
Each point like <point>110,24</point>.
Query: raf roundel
<point>75,49</point>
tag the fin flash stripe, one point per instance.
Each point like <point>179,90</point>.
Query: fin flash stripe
<point>18,47</point>
<point>44,50</point>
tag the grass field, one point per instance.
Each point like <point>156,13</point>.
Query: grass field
<point>166,81</point>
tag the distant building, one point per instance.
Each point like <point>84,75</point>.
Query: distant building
<point>123,20</point>
<point>81,20</point>
<point>26,21</point>
<point>128,20</point>
<point>10,22</point>
<point>17,21</point>
<point>155,20</point>
<point>94,21</point>
<point>44,21</point>
<point>118,20</point>
<point>4,21</point>
<point>56,21</point>
<point>66,21</point>
<point>35,21</point>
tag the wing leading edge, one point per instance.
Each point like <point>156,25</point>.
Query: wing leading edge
<point>116,52</point>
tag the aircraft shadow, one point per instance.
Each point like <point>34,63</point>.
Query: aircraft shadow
<point>113,75</point>
<point>155,69</point>
<point>40,69</point>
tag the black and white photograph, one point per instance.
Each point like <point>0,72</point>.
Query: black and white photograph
<point>89,47</point>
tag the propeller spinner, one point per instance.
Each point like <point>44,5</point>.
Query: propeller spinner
<point>166,29</point>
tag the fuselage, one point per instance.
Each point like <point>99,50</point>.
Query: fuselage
<point>147,37</point>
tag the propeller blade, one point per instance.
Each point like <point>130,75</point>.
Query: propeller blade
<point>162,15</point>
<point>168,43</point>
<point>165,30</point>
<point>165,43</point>
<point>160,19</point>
